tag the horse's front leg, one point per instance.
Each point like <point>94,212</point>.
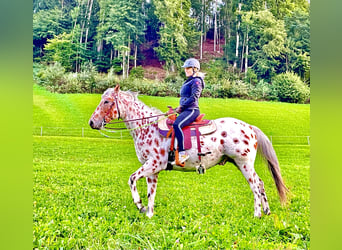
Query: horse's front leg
<point>151,193</point>
<point>150,171</point>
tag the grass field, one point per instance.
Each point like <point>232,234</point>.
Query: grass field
<point>82,199</point>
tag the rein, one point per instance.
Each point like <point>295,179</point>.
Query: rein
<point>109,129</point>
<point>137,119</point>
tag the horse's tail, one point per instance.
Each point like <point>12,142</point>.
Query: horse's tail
<point>267,151</point>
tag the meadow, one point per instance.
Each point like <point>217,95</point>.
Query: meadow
<point>81,199</point>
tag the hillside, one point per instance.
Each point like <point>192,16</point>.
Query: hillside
<point>153,68</point>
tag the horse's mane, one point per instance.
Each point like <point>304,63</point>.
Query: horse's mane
<point>134,95</point>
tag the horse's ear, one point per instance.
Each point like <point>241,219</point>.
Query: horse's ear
<point>117,88</point>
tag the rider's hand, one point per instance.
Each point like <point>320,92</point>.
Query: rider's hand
<point>178,110</point>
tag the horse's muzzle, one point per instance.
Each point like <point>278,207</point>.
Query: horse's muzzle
<point>92,124</point>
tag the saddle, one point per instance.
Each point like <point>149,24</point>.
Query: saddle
<point>196,128</point>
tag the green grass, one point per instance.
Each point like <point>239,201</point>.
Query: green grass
<point>82,199</point>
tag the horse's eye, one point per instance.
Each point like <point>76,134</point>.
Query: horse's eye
<point>106,102</point>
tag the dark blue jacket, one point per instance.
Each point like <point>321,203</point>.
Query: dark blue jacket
<point>190,92</point>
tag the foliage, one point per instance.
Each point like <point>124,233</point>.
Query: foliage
<point>177,34</point>
<point>61,49</point>
<point>137,72</point>
<point>51,76</point>
<point>289,88</point>
<point>113,33</point>
<point>262,91</point>
<point>298,44</point>
<point>266,41</point>
<point>220,83</point>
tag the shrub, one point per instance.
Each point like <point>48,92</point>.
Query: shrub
<point>51,76</point>
<point>137,72</point>
<point>87,77</point>
<point>262,91</point>
<point>71,84</point>
<point>239,89</point>
<point>288,87</point>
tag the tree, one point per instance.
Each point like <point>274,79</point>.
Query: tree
<point>62,49</point>
<point>298,44</point>
<point>46,25</point>
<point>266,39</point>
<point>121,23</point>
<point>177,33</point>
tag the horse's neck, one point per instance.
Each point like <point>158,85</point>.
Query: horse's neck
<point>139,127</point>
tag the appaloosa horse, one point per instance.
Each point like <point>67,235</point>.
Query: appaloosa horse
<point>234,141</point>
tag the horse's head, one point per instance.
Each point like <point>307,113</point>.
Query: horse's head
<point>107,110</point>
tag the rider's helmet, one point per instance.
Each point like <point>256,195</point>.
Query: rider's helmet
<point>192,63</point>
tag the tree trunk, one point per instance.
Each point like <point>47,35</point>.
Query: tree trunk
<point>219,37</point>
<point>135,55</point>
<point>88,23</point>
<point>128,54</point>
<point>237,39</point>
<point>246,58</point>
<point>243,51</point>
<point>215,25</point>
<point>202,30</point>
<point>123,65</point>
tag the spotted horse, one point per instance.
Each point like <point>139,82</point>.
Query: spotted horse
<point>233,141</point>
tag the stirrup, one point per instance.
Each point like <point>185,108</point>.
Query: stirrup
<point>179,162</point>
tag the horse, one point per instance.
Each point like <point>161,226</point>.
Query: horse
<point>233,141</point>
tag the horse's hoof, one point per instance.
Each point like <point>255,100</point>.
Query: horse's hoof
<point>149,215</point>
<point>142,210</point>
<point>200,169</point>
<point>257,215</point>
<point>267,211</point>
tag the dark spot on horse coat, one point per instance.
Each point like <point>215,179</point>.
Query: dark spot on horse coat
<point>224,134</point>
<point>246,142</point>
<point>162,152</point>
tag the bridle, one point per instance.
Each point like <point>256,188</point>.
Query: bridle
<point>131,120</point>
<point>117,106</point>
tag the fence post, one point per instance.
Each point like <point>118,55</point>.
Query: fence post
<point>41,131</point>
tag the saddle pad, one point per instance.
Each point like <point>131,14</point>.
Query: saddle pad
<point>204,127</point>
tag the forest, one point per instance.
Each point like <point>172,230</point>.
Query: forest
<point>249,49</point>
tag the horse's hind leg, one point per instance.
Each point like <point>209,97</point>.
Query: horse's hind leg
<point>264,201</point>
<point>135,195</point>
<point>252,178</point>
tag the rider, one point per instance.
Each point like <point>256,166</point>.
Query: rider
<point>188,110</point>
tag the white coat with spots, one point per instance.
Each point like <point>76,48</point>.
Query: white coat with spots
<point>234,141</point>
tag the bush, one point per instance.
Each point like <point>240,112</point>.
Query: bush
<point>51,76</point>
<point>87,77</point>
<point>137,72</point>
<point>262,91</point>
<point>288,87</point>
<point>239,89</point>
